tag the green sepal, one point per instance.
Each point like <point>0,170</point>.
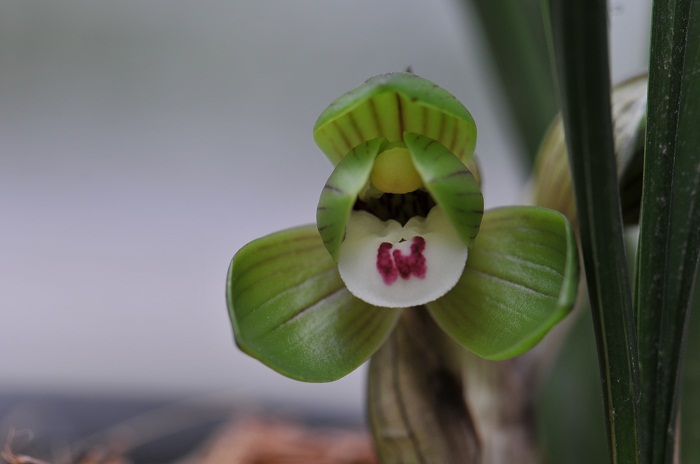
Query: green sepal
<point>290,309</point>
<point>449,182</point>
<point>349,177</point>
<point>521,278</point>
<point>389,104</point>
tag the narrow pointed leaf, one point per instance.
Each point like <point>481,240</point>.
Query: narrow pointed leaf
<point>340,192</point>
<point>690,400</point>
<point>515,36</point>
<point>669,241</point>
<point>449,182</point>
<point>290,310</point>
<point>520,279</point>
<point>579,34</point>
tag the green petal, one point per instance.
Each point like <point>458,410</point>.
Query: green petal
<point>520,279</point>
<point>340,192</point>
<point>290,310</point>
<point>449,182</point>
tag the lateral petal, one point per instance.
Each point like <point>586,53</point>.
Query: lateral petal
<point>290,309</point>
<point>520,280</point>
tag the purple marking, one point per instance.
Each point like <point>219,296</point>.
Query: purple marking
<point>392,264</point>
<point>385,265</point>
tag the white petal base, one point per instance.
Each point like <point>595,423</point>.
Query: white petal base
<point>392,266</point>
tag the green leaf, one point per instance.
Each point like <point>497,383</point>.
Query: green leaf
<point>340,192</point>
<point>520,279</point>
<point>514,33</point>
<point>579,33</point>
<point>669,242</point>
<point>449,182</point>
<point>690,400</point>
<point>578,436</point>
<point>290,309</point>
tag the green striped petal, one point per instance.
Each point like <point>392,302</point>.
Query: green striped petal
<point>449,182</point>
<point>520,280</point>
<point>340,192</point>
<point>290,309</point>
<point>390,104</point>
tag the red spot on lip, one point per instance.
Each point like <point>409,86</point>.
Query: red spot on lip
<point>392,264</point>
<point>385,265</point>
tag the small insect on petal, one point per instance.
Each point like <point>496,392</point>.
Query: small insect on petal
<point>394,266</point>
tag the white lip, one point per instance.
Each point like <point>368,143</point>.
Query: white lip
<point>395,279</point>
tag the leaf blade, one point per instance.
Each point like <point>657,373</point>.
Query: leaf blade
<point>670,223</point>
<point>580,49</point>
<point>515,35</point>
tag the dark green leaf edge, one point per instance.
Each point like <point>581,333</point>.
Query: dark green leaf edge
<point>670,223</point>
<point>579,41</point>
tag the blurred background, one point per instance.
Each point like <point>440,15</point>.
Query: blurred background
<point>142,143</point>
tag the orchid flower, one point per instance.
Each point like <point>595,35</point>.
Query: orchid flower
<point>400,226</point>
